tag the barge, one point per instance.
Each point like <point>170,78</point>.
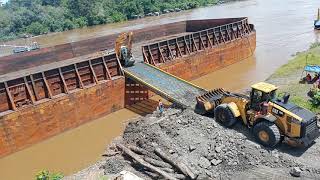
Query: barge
<point>51,90</point>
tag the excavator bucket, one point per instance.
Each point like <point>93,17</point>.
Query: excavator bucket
<point>209,100</point>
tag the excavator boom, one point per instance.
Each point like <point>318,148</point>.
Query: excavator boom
<point>124,39</point>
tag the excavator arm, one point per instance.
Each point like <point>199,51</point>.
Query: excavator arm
<point>123,48</point>
<point>124,39</point>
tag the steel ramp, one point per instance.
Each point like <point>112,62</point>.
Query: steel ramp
<point>166,85</point>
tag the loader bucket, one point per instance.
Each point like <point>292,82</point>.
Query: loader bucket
<point>208,101</point>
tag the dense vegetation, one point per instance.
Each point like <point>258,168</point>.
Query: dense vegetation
<point>19,17</point>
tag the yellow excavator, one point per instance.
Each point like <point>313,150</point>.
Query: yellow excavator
<point>123,49</point>
<point>271,119</point>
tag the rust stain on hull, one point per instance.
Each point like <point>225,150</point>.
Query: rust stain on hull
<point>38,122</point>
<point>55,89</point>
<point>197,65</point>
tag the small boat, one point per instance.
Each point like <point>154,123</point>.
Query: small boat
<point>317,21</point>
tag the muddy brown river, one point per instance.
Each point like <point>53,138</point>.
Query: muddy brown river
<point>283,28</point>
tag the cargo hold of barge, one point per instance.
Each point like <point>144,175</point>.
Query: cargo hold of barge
<point>51,90</point>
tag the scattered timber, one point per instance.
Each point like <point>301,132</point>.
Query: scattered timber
<point>157,163</point>
<point>144,163</point>
<point>139,150</point>
<point>179,165</point>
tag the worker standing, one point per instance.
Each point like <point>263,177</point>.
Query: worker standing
<point>160,107</point>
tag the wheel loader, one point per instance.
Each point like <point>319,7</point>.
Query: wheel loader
<point>270,118</point>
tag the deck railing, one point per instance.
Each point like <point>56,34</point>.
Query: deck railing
<point>47,84</point>
<point>168,50</point>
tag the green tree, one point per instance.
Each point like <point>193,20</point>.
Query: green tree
<point>80,22</point>
<point>36,28</point>
<point>81,7</point>
<point>41,16</point>
<point>51,2</point>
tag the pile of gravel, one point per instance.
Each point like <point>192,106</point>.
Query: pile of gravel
<point>209,149</point>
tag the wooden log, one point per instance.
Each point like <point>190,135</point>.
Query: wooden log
<point>157,163</point>
<point>179,176</point>
<point>141,151</point>
<point>168,170</point>
<point>110,154</point>
<point>138,150</point>
<point>144,163</point>
<point>179,165</point>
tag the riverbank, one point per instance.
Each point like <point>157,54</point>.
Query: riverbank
<point>287,77</point>
<point>43,18</point>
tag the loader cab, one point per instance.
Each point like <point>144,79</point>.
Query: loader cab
<point>261,92</point>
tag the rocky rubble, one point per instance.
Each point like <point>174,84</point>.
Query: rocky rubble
<point>209,149</point>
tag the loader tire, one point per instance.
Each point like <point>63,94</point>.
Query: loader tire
<point>267,133</point>
<point>225,116</point>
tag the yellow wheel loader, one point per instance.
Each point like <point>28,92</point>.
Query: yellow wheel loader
<point>271,119</point>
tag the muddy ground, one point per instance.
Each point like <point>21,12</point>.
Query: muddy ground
<point>209,149</point>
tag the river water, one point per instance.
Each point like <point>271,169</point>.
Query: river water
<point>283,28</point>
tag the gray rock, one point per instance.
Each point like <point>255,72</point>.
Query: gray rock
<point>192,148</point>
<point>171,151</point>
<point>216,162</point>
<point>250,143</point>
<point>204,163</point>
<point>214,124</point>
<point>295,172</point>
<point>210,174</point>
<point>275,154</point>
<point>219,148</point>
<point>211,155</point>
<point>215,175</point>
<point>202,176</point>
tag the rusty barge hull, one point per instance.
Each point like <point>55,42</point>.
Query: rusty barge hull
<point>46,92</point>
<point>197,54</point>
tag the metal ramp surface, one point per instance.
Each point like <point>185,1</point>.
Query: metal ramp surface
<point>166,85</point>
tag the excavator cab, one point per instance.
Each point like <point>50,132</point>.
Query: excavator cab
<point>261,93</point>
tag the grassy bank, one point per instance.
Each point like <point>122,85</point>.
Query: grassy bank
<point>287,77</point>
